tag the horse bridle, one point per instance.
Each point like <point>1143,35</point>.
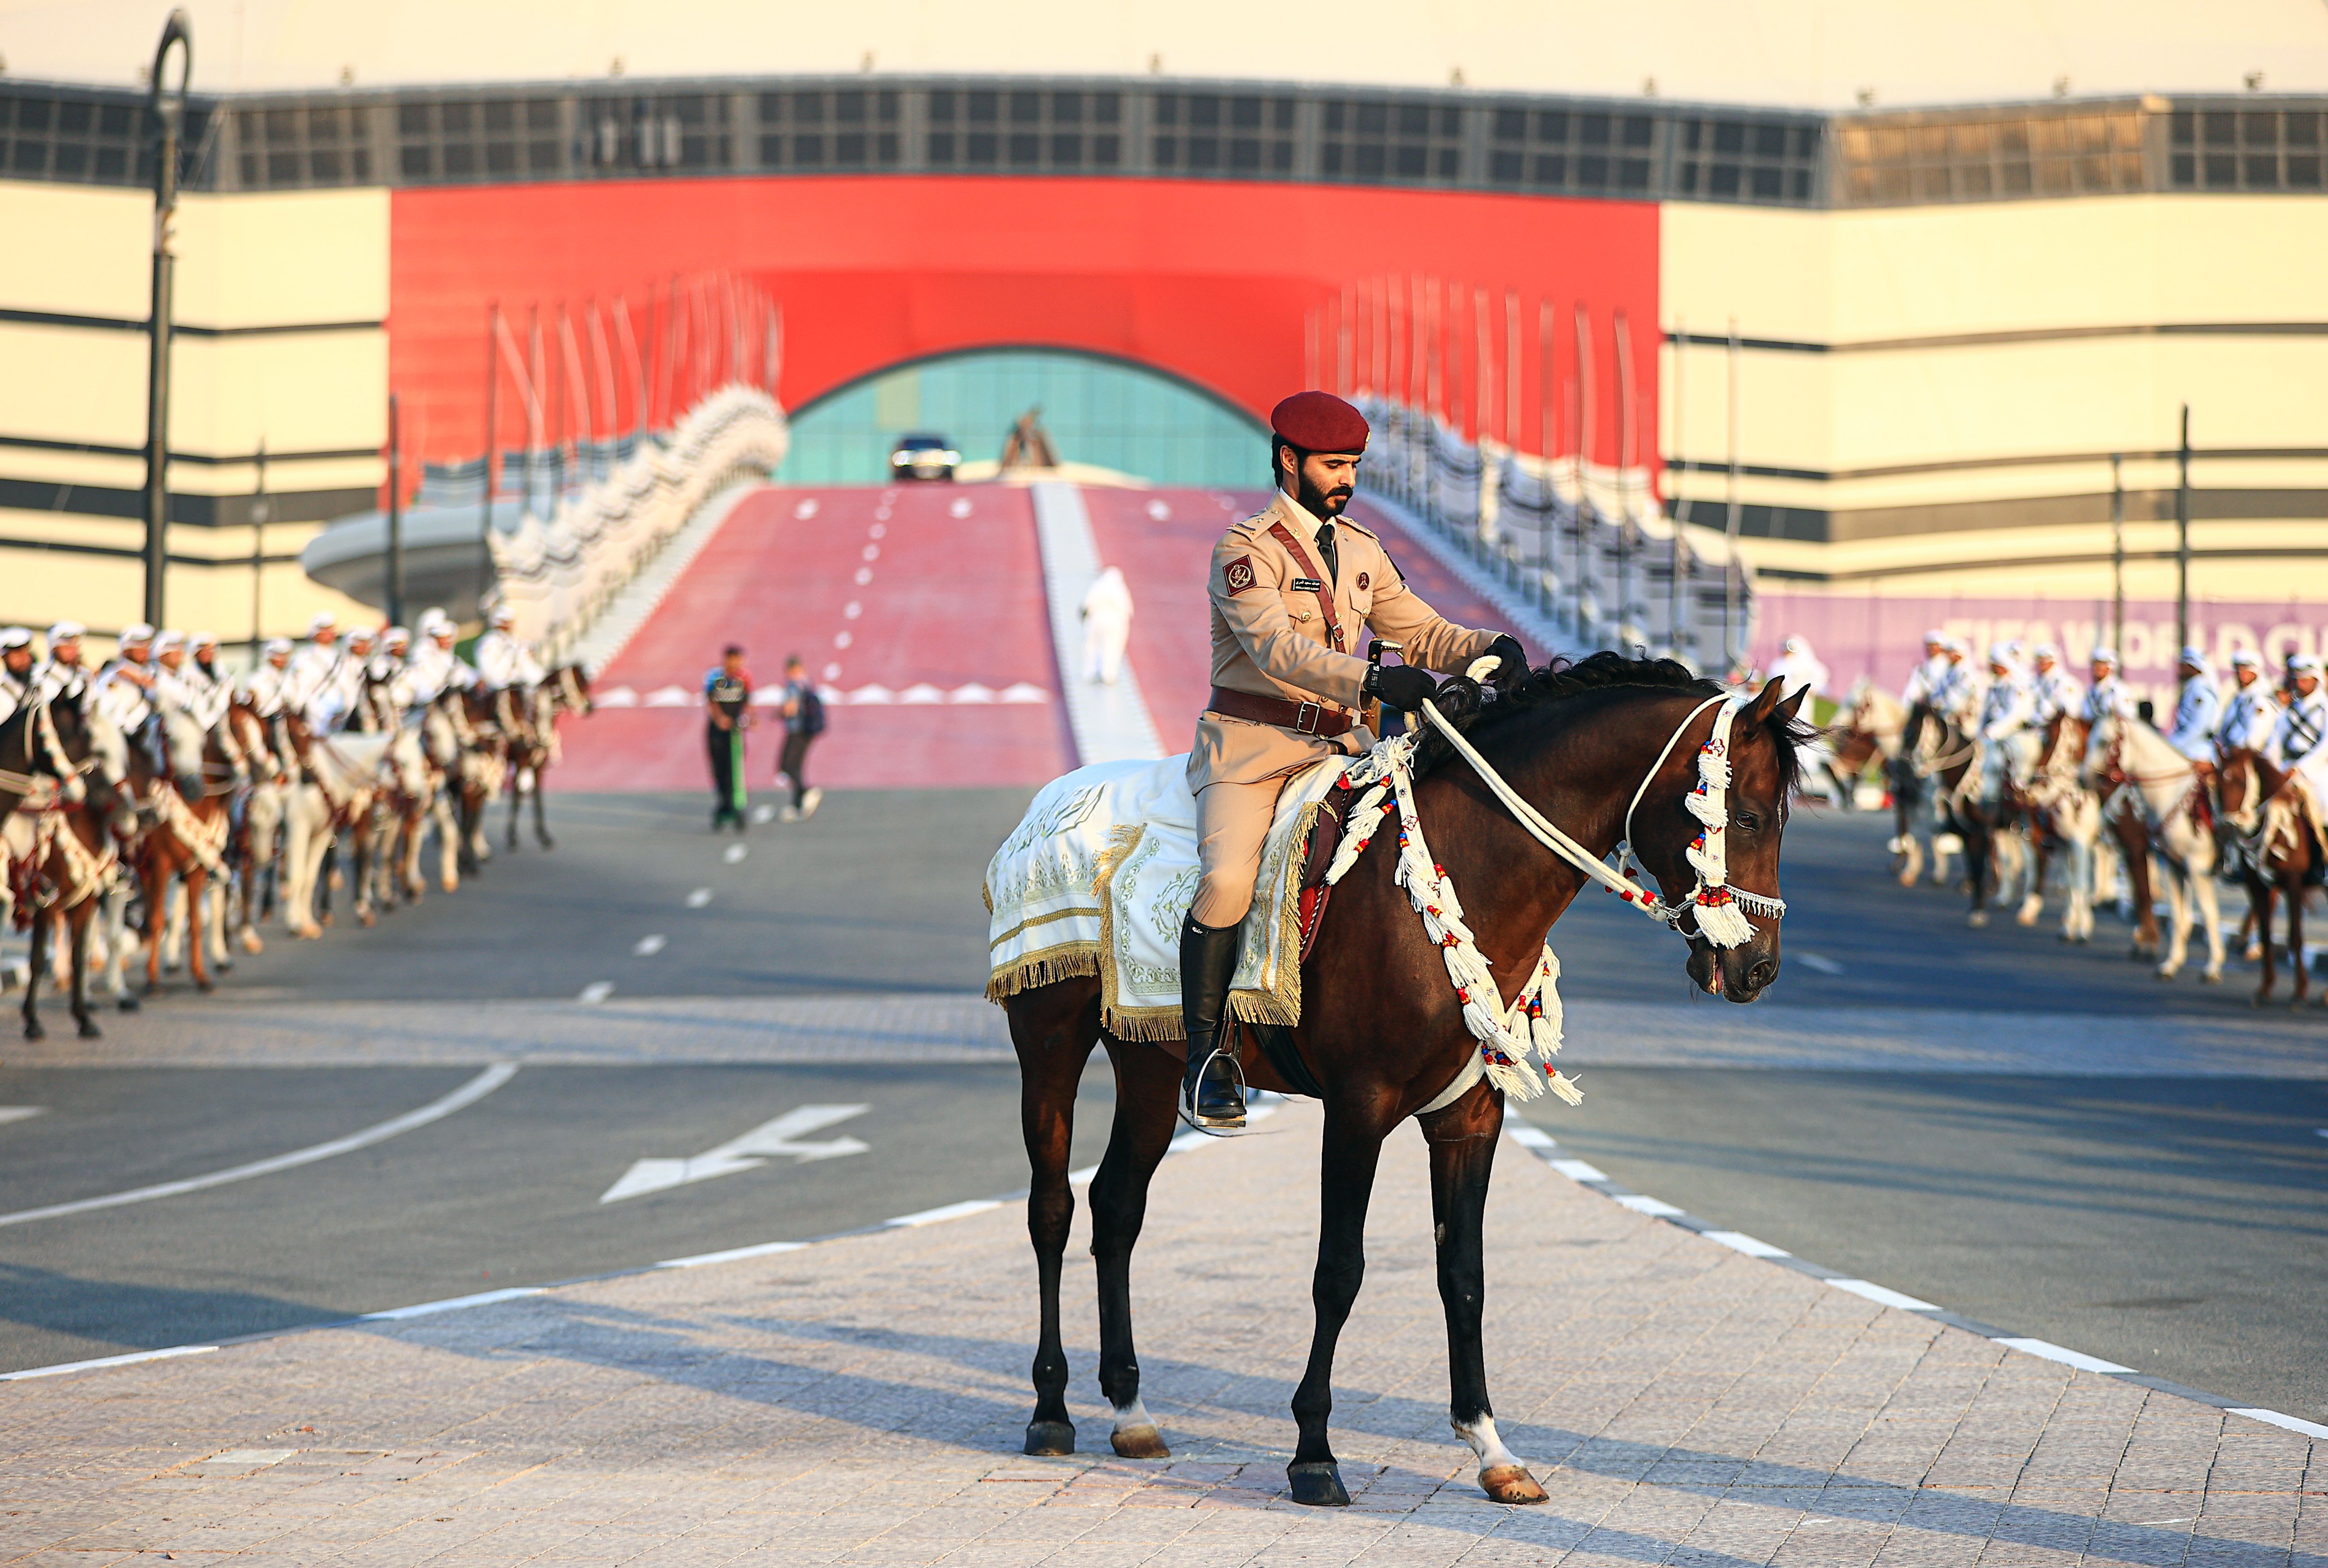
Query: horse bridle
<point>1714,897</point>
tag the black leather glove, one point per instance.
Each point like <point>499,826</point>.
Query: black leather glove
<point>1515,666</point>
<point>1401,686</point>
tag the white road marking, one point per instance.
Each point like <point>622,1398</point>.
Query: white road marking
<point>734,853</point>
<point>698,899</point>
<point>2322,1131</point>
<point>1883,1295</point>
<point>133,1357</point>
<point>864,575</point>
<point>1641,1202</point>
<point>649,944</point>
<point>1816,962</point>
<point>1579,1170</point>
<point>1529,1137</point>
<point>2274,1418</point>
<point>733,1255</point>
<point>19,1112</point>
<point>1740,1242</point>
<point>253,1457</point>
<point>469,1093</point>
<point>451,1304</point>
<point>945,1212</point>
<point>596,991</point>
<point>762,815</point>
<point>755,1149</point>
<point>2063,1354</point>
<point>2153,1523</point>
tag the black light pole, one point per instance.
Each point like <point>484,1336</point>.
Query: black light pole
<point>169,113</point>
<point>2182,537</point>
<point>394,516</point>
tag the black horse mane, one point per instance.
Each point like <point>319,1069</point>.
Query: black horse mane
<point>1484,713</point>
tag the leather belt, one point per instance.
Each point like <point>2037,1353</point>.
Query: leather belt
<point>1318,719</point>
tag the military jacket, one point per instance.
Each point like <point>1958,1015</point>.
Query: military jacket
<point>1269,637</point>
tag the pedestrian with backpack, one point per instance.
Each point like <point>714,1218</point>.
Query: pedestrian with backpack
<point>803,713</point>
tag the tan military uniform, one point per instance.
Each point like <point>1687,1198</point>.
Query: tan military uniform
<point>1271,638</point>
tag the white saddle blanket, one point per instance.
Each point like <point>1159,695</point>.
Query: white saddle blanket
<point>1097,879</point>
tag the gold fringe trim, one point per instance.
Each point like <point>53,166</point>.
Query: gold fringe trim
<point>1025,926</point>
<point>1048,967</point>
<point>1144,1023</point>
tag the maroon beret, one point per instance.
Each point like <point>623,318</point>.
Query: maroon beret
<point>1319,422</point>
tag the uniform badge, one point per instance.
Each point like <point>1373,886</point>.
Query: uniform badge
<point>1239,574</point>
<point>1307,585</point>
<point>1363,580</point>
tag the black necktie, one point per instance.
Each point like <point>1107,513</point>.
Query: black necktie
<point>1325,549</point>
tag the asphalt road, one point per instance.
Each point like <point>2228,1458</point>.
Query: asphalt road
<point>2174,1225</point>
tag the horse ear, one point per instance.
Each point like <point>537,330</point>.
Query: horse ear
<point>1767,700</point>
<point>1786,711</point>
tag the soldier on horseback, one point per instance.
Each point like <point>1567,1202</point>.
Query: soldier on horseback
<point>2250,714</point>
<point>2197,708</point>
<point>15,670</point>
<point>1288,690</point>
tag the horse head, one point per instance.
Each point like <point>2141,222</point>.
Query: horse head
<point>572,685</point>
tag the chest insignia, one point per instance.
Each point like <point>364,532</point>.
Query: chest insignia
<point>1238,574</point>
<point>1364,581</point>
<point>1307,585</point>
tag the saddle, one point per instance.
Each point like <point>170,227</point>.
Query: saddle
<point>1318,858</point>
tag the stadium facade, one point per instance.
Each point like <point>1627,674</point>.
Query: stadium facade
<point>1927,352</point>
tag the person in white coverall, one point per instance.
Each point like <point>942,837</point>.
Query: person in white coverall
<point>1799,667</point>
<point>1107,625</point>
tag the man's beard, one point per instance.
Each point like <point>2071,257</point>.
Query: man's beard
<point>1326,505</point>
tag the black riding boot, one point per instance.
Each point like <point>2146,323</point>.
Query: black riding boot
<point>1210,1092</point>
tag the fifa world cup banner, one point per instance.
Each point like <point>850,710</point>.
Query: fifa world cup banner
<point>1882,639</point>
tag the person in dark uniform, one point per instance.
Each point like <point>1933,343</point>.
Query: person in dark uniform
<point>803,722</point>
<point>727,703</point>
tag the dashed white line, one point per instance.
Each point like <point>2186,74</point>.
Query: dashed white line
<point>1740,1242</point>
<point>1817,962</point>
<point>762,815</point>
<point>733,853</point>
<point>596,991</point>
<point>19,1112</point>
<point>1529,1137</point>
<point>698,899</point>
<point>2063,1354</point>
<point>469,1093</point>
<point>2274,1418</point>
<point>733,1255</point>
<point>962,1210</point>
<point>452,1304</point>
<point>1641,1202</point>
<point>649,945</point>
<point>132,1358</point>
<point>1578,1170</point>
<point>1884,1295</point>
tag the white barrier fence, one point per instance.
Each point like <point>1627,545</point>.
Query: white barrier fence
<point>557,576</point>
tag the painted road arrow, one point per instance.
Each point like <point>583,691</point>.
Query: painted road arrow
<point>771,1140</point>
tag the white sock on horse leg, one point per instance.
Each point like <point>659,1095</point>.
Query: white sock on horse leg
<point>1486,1442</point>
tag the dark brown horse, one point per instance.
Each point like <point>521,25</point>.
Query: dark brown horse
<point>1947,760</point>
<point>73,859</point>
<point>2278,853</point>
<point>1383,1034</point>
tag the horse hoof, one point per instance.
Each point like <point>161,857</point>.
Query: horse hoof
<point>1140,1442</point>
<point>33,1030</point>
<point>452,884</point>
<point>1511,1483</point>
<point>1049,1437</point>
<point>327,920</point>
<point>548,843</point>
<point>251,943</point>
<point>1976,919</point>
<point>367,919</point>
<point>1318,1484</point>
<point>127,1003</point>
<point>205,986</point>
<point>2211,977</point>
<point>89,1031</point>
<point>1907,879</point>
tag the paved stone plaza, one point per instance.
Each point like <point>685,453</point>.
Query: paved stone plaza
<point>861,1401</point>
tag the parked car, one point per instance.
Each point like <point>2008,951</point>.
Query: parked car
<point>923,456</point>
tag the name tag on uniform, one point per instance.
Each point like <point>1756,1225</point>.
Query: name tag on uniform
<point>1307,585</point>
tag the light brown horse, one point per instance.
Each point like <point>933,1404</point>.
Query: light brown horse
<point>1382,1033</point>
<point>186,842</point>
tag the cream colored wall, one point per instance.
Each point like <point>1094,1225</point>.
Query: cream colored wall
<point>1885,292</point>
<point>268,260</point>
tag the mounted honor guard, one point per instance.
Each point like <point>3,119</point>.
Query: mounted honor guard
<point>61,672</point>
<point>2198,709</point>
<point>15,671</point>
<point>2250,715</point>
<point>2108,696</point>
<point>2055,689</point>
<point>2305,720</point>
<point>1290,587</point>
<point>2007,710</point>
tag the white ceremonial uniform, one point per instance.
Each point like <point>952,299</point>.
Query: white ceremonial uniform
<point>313,665</point>
<point>2108,696</point>
<point>2250,717</point>
<point>265,686</point>
<point>504,662</point>
<point>2057,693</point>
<point>173,690</point>
<point>2303,724</point>
<point>428,671</point>
<point>52,680</point>
<point>2007,710</point>
<point>1959,692</point>
<point>121,696</point>
<point>16,690</point>
<point>1799,669</point>
<point>1924,680</point>
<point>2196,712</point>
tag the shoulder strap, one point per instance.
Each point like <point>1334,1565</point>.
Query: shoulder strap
<point>1311,570</point>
